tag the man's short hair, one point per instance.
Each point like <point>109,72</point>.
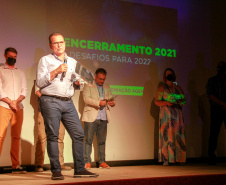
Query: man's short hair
<point>54,34</point>
<point>101,70</point>
<point>10,49</point>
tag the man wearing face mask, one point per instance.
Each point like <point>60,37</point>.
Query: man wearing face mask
<point>12,91</point>
<point>216,91</point>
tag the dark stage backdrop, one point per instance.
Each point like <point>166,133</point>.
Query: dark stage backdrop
<point>134,41</point>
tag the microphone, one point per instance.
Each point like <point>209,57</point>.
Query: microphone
<point>65,61</point>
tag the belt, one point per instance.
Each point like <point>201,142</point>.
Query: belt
<point>59,97</point>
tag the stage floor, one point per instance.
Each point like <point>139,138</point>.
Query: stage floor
<point>122,172</point>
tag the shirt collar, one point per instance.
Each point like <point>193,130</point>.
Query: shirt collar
<point>7,67</point>
<point>99,85</point>
<point>65,55</point>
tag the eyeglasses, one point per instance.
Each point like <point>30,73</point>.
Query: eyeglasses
<point>58,43</point>
<point>102,79</point>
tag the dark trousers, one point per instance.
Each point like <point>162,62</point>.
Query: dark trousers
<point>100,128</point>
<point>217,117</point>
<point>53,111</point>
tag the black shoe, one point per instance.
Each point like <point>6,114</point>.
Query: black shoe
<point>85,173</point>
<point>212,160</point>
<point>18,170</point>
<point>181,164</point>
<point>57,176</point>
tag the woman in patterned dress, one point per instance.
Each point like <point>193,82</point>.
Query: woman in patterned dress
<point>170,98</point>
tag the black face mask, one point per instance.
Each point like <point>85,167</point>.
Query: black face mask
<point>170,77</point>
<point>11,61</point>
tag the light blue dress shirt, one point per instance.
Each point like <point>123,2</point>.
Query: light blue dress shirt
<point>102,111</point>
<point>59,86</point>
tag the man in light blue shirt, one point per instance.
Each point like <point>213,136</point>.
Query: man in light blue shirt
<point>56,78</point>
<point>96,116</point>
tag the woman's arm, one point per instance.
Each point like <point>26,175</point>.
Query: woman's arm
<point>158,97</point>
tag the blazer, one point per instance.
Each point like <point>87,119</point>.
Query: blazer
<point>92,101</point>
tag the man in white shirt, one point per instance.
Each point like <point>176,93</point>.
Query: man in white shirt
<point>56,78</point>
<point>13,90</point>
